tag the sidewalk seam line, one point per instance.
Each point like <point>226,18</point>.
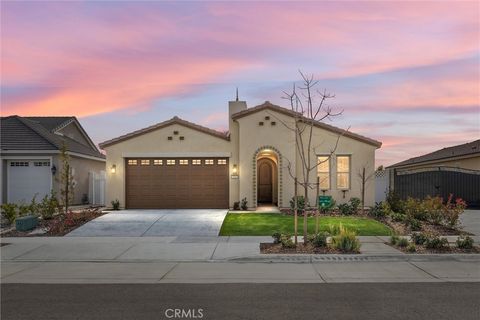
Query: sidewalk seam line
<point>171,269</point>
<point>152,225</point>
<point>213,253</point>
<point>317,272</point>
<point>121,254</point>
<point>16,257</point>
<point>433,276</point>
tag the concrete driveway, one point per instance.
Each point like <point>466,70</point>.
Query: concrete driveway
<point>470,221</point>
<point>154,223</point>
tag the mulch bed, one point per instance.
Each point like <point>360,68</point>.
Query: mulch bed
<point>423,250</point>
<point>277,248</point>
<point>400,228</point>
<point>59,225</point>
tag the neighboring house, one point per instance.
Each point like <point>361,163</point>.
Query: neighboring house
<point>179,164</point>
<point>31,162</point>
<point>453,170</point>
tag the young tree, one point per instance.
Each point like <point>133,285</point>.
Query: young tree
<point>365,175</point>
<point>310,106</point>
<point>66,179</point>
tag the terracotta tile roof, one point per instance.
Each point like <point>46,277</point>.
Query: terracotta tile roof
<point>269,106</point>
<point>470,148</point>
<point>174,120</point>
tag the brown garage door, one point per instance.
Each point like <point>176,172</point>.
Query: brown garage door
<point>161,183</point>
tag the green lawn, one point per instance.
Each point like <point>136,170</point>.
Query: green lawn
<point>265,224</point>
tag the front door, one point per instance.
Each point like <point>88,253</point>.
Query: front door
<point>265,181</point>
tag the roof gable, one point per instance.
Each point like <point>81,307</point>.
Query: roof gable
<point>174,120</point>
<point>269,106</point>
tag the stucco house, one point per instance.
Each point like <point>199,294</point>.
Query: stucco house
<point>31,162</point>
<point>179,164</point>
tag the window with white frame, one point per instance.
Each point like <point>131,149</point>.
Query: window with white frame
<point>222,161</point>
<point>157,162</point>
<point>209,161</point>
<point>343,172</point>
<point>145,162</point>
<point>323,171</point>
<point>41,163</point>
<point>183,162</point>
<point>19,164</point>
<point>196,162</point>
<point>132,162</point>
<point>170,162</point>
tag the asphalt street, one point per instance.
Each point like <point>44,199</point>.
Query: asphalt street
<point>241,301</point>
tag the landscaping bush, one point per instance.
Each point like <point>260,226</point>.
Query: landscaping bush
<point>465,242</point>
<point>300,203</point>
<point>436,242</point>
<point>329,209</point>
<point>398,217</point>
<point>48,206</point>
<point>434,208</point>
<point>419,238</point>
<point>319,239</point>
<point>346,241</point>
<point>354,204</point>
<point>276,237</point>
<point>411,247</point>
<point>9,210</point>
<point>32,208</point>
<point>394,240</point>
<point>413,223</point>
<point>380,210</point>
<point>345,209</point>
<point>414,208</point>
<point>23,209</point>
<point>116,204</point>
<point>236,205</point>
<point>244,204</point>
<point>453,210</point>
<point>334,229</point>
<point>286,241</point>
<point>394,201</point>
<point>402,242</point>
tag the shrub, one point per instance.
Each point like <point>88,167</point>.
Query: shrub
<point>414,208</point>
<point>380,210</point>
<point>300,203</point>
<point>402,242</point>
<point>465,242</point>
<point>286,241</point>
<point>244,204</point>
<point>9,210</point>
<point>453,210</point>
<point>394,240</point>
<point>23,209</point>
<point>411,247</point>
<point>330,208</point>
<point>394,201</point>
<point>354,204</point>
<point>436,242</point>
<point>345,209</point>
<point>399,217</point>
<point>116,204</point>
<point>32,208</point>
<point>419,238</point>
<point>434,209</point>
<point>319,239</point>
<point>334,229</point>
<point>413,223</point>
<point>48,206</point>
<point>236,205</point>
<point>276,237</point>
<point>346,241</point>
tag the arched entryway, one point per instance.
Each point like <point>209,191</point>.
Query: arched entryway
<point>267,178</point>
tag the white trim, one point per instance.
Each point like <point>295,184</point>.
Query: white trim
<point>176,154</point>
<point>80,155</point>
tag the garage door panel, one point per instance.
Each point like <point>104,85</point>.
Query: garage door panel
<point>177,186</point>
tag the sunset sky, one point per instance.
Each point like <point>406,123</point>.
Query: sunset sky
<point>406,73</point>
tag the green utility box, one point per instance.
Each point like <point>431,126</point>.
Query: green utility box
<point>324,201</point>
<point>26,223</point>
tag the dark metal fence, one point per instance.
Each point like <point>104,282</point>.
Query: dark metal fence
<point>439,181</point>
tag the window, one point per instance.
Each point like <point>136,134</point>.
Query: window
<point>343,172</point>
<point>222,161</point>
<point>196,162</point>
<point>209,161</point>
<point>182,138</point>
<point>19,164</point>
<point>170,162</point>
<point>41,163</point>
<point>183,162</point>
<point>157,162</point>
<point>145,162</point>
<point>132,162</point>
<point>323,171</point>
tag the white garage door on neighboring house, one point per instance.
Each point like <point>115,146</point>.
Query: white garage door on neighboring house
<point>27,178</point>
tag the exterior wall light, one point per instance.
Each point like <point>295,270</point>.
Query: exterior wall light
<point>53,169</point>
<point>113,169</point>
<point>235,171</point>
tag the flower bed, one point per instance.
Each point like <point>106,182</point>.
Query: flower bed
<point>421,243</point>
<point>59,225</point>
